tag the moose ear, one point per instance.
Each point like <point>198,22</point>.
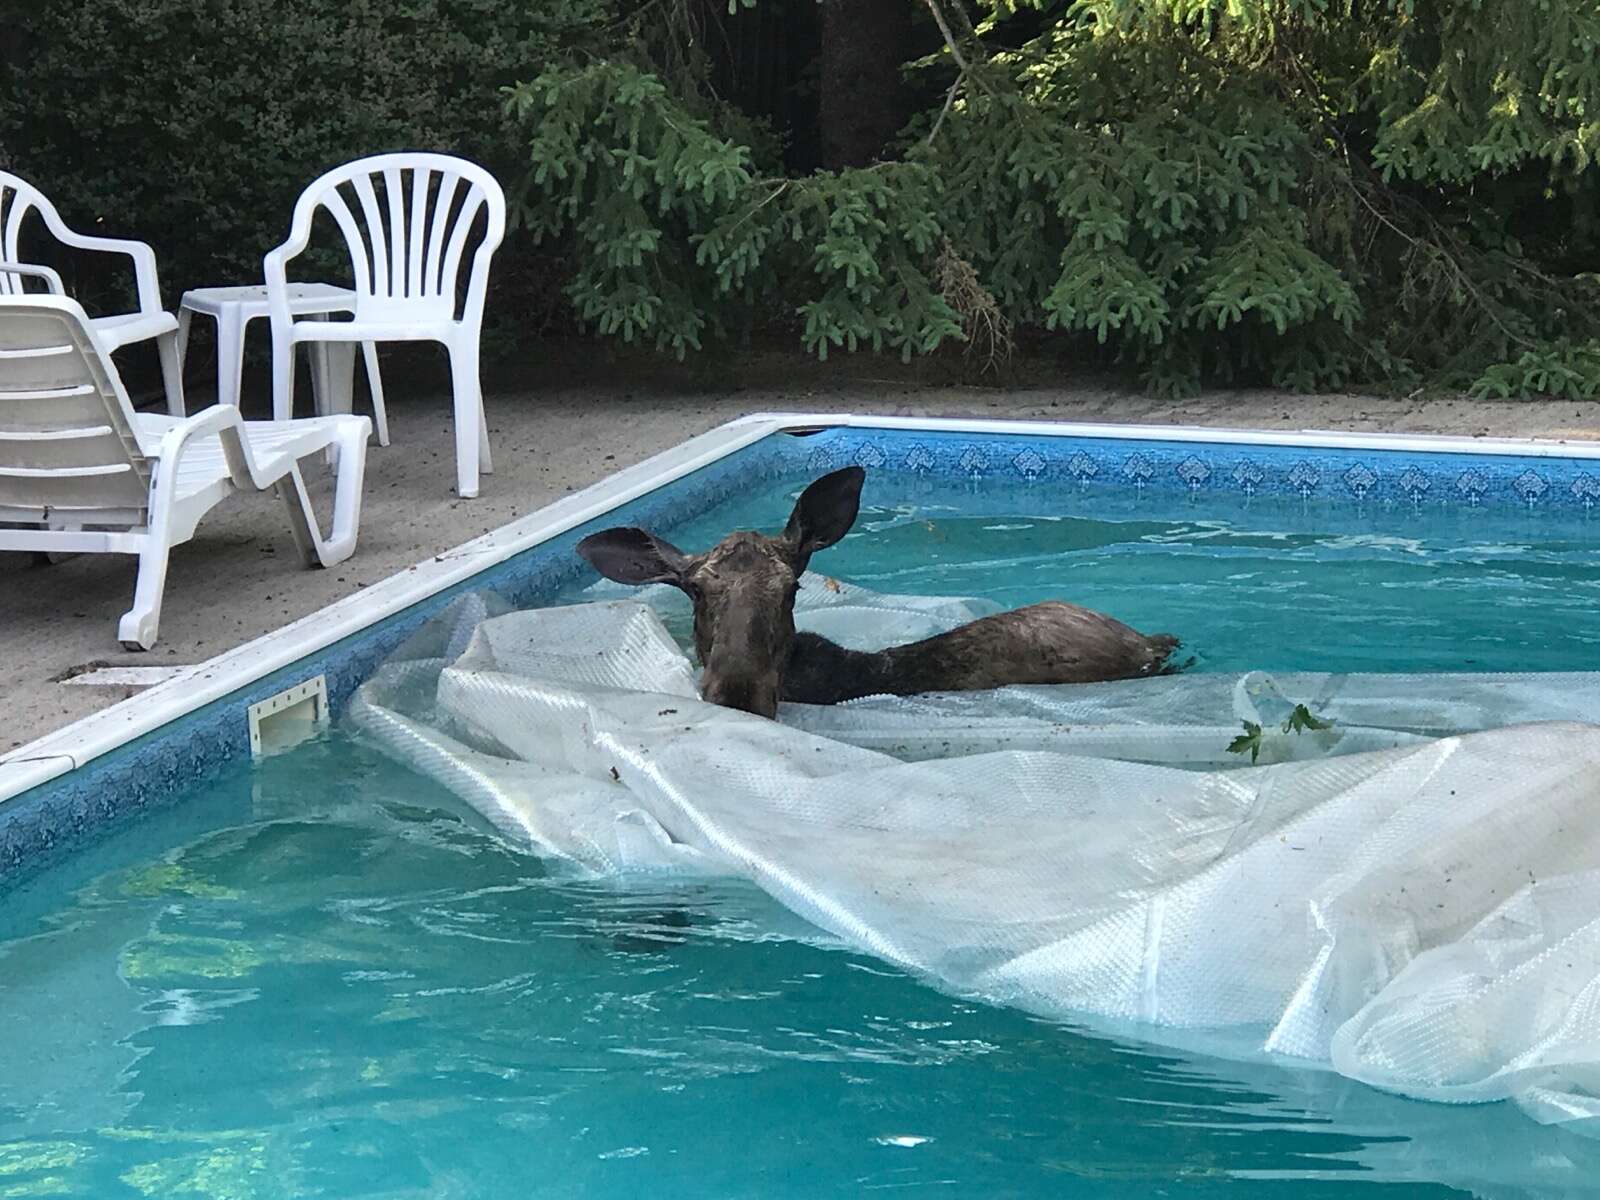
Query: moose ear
<point>824,513</point>
<point>634,556</point>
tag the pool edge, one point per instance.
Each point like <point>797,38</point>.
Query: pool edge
<point>70,748</point>
<point>73,746</point>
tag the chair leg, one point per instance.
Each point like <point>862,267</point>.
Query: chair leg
<point>468,416</point>
<point>337,369</point>
<point>380,416</point>
<point>342,376</point>
<point>350,455</point>
<point>137,630</point>
<point>171,371</point>
<point>230,357</point>
<point>484,460</point>
<point>321,376</point>
<point>282,374</point>
<point>292,491</point>
<point>349,484</point>
<point>185,319</point>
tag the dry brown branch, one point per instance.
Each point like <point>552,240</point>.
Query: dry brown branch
<point>984,325</point>
<point>1438,252</point>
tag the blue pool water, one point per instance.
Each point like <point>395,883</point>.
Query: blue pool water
<point>1264,585</point>
<point>323,976</point>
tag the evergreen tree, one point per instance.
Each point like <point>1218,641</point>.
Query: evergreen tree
<point>1315,193</point>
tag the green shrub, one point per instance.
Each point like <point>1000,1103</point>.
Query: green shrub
<point>676,234</point>
<point>1168,227</point>
<point>1312,193</point>
<point>195,124</point>
<point>1308,193</point>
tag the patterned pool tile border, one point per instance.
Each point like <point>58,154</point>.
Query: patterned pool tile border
<point>40,825</point>
<point>1555,486</point>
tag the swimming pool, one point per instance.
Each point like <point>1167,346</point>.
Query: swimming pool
<point>269,986</point>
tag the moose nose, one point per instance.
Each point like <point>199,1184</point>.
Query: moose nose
<point>744,692</point>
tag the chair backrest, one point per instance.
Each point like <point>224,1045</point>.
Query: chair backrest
<point>18,198</point>
<point>67,442</point>
<point>408,243</point>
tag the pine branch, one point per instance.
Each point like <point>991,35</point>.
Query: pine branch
<point>949,100</point>
<point>941,18</point>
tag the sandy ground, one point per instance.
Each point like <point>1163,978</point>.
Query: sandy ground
<point>240,576</point>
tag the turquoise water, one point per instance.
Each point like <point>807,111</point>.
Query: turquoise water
<point>323,976</point>
<point>1275,585</point>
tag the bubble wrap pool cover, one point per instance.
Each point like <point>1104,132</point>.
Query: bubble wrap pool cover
<point>1412,895</point>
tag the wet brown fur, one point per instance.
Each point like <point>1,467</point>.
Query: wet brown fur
<point>1051,642</point>
<point>744,590</point>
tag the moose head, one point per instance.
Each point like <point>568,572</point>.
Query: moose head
<point>743,588</point>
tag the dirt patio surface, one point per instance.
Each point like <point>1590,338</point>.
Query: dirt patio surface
<point>240,577</point>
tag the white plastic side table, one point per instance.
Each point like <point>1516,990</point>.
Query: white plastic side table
<point>233,308</point>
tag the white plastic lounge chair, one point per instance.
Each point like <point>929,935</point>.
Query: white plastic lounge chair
<point>85,473</point>
<point>18,197</point>
<point>407,251</point>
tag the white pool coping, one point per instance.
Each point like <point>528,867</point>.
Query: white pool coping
<point>73,746</point>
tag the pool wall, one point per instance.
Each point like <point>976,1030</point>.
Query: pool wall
<point>111,767</point>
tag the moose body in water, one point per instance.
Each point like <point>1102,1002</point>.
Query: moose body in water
<point>744,589</point>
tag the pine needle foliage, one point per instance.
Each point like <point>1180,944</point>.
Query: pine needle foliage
<point>1316,194</point>
<point>680,235</point>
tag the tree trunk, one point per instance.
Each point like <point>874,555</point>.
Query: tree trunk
<point>863,99</point>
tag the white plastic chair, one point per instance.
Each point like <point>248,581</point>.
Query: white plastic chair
<point>407,251</point>
<point>86,473</point>
<point>18,198</point>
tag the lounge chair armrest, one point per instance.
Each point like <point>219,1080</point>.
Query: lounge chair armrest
<point>223,420</point>
<point>210,420</point>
